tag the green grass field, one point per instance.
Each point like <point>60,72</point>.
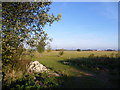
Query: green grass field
<point>51,59</point>
<point>84,69</point>
<point>76,77</point>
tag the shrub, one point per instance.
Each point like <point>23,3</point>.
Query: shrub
<point>49,49</point>
<point>41,47</point>
<point>61,53</point>
<point>13,72</point>
<point>78,50</point>
<point>33,81</point>
<point>91,56</point>
<point>112,55</point>
<point>60,49</point>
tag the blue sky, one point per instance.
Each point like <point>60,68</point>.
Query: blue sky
<point>84,25</point>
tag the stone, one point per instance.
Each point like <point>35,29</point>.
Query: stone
<point>66,63</point>
<point>53,74</point>
<point>35,66</point>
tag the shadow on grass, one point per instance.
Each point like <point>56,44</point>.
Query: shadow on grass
<point>102,72</point>
<point>107,75</point>
<point>82,82</point>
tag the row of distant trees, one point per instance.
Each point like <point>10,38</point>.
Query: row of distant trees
<point>49,49</point>
<point>83,50</point>
<point>95,50</point>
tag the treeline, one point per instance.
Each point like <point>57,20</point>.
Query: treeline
<point>50,49</point>
<point>83,50</point>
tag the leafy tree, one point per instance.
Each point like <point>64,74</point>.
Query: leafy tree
<point>49,49</point>
<point>78,50</point>
<point>41,47</point>
<point>22,24</point>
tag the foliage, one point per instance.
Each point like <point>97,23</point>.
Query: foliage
<point>22,25</point>
<point>91,55</point>
<point>14,72</point>
<point>33,81</point>
<point>49,49</point>
<point>78,50</point>
<point>41,47</point>
<point>59,49</point>
<point>112,55</point>
<point>61,53</point>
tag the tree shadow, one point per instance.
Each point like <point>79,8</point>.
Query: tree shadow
<point>100,72</point>
<point>82,82</point>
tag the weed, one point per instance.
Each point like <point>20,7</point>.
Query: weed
<point>61,53</point>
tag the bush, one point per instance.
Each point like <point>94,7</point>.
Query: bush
<point>41,48</point>
<point>112,55</point>
<point>13,72</point>
<point>78,50</point>
<point>33,81</point>
<point>91,56</point>
<point>60,49</point>
<point>49,49</point>
<point>61,53</point>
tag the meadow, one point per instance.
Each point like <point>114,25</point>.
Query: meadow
<point>84,68</point>
<point>26,37</point>
<point>77,69</point>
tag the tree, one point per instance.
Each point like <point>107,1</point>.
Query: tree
<point>78,50</point>
<point>41,47</point>
<point>22,24</point>
<point>49,49</point>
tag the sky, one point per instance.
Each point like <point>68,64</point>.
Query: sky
<point>84,25</point>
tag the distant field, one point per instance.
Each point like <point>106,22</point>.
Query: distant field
<point>76,54</point>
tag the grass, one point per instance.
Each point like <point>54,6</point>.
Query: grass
<point>81,68</point>
<point>73,74</point>
<point>52,60</point>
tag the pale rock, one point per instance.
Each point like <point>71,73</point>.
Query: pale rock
<point>66,62</point>
<point>35,66</point>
